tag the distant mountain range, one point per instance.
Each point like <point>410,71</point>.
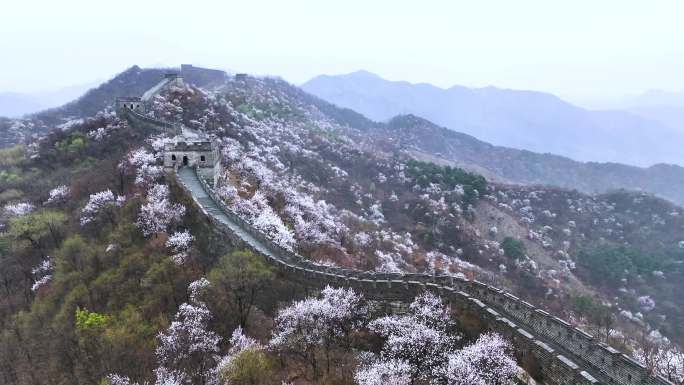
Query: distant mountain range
<point>14,104</point>
<point>665,107</point>
<point>534,121</point>
<point>672,116</point>
<point>656,98</point>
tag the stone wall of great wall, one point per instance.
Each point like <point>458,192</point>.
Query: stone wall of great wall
<point>143,121</point>
<point>551,350</point>
<point>548,348</point>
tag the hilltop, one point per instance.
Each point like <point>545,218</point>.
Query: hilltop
<point>132,81</point>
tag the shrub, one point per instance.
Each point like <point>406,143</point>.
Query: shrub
<point>449,177</point>
<point>90,320</point>
<point>513,248</point>
<point>250,367</point>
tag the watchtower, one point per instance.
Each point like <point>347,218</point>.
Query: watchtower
<point>132,103</point>
<point>174,79</point>
<point>193,151</point>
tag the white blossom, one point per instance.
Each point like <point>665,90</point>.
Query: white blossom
<point>18,209</point>
<point>187,335</point>
<point>418,339</point>
<point>362,238</point>
<point>98,134</point>
<point>58,195</point>
<point>158,213</point>
<point>100,205</point>
<point>186,351</point>
<point>486,362</point>
<point>646,303</point>
<point>305,325</point>
<point>42,273</point>
<point>179,243</point>
<point>195,289</point>
<point>388,262</point>
<point>159,142</point>
<point>376,213</point>
<point>143,165</point>
<point>384,372</point>
<point>70,124</point>
<point>115,379</point>
<point>268,222</point>
<point>165,376</point>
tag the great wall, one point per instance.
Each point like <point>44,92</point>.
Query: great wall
<point>551,350</point>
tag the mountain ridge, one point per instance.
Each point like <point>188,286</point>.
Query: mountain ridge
<point>431,141</point>
<point>530,120</point>
<point>527,167</point>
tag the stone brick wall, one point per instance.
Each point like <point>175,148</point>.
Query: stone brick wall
<point>201,76</point>
<point>147,122</point>
<point>549,348</point>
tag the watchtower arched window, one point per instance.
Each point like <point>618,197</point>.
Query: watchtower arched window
<point>173,157</point>
<point>202,158</point>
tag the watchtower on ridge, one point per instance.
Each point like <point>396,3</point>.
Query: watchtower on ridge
<point>193,150</point>
<point>132,103</point>
<point>189,148</point>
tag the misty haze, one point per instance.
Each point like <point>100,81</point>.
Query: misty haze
<point>318,192</point>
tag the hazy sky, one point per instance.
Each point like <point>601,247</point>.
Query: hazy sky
<point>579,49</point>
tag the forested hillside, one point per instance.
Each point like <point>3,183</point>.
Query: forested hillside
<point>431,142</point>
<point>380,209</point>
<point>112,275</point>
